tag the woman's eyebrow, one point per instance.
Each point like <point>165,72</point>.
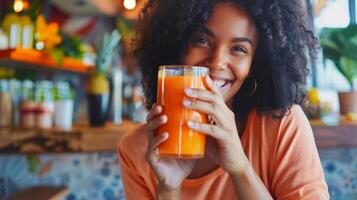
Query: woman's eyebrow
<point>243,39</point>
<point>205,30</point>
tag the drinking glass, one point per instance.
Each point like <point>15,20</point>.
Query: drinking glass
<point>182,142</point>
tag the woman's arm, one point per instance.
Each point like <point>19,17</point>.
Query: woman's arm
<point>170,172</point>
<point>165,193</point>
<point>248,185</point>
<point>296,167</point>
<point>228,151</point>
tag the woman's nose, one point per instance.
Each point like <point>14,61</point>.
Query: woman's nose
<point>217,59</point>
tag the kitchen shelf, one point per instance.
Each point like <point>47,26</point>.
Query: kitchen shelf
<point>14,64</point>
<point>342,135</point>
<point>33,60</point>
<point>81,138</point>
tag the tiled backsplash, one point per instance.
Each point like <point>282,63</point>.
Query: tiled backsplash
<point>96,175</point>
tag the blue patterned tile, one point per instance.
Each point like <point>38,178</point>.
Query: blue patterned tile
<point>335,193</point>
<point>71,197</point>
<point>330,167</point>
<point>108,194</point>
<point>98,184</point>
<point>105,172</point>
<point>76,162</point>
<point>96,175</point>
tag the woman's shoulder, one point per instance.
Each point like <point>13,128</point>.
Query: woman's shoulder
<point>268,125</point>
<point>295,119</point>
<point>294,114</point>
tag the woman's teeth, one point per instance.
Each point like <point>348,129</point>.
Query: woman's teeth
<point>219,83</point>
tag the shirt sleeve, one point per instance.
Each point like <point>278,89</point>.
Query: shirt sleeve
<point>134,185</point>
<point>297,170</point>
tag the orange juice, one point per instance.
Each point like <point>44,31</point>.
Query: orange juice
<point>182,142</point>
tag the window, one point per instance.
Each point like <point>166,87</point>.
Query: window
<point>332,14</point>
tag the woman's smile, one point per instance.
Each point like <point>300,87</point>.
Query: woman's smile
<point>225,44</point>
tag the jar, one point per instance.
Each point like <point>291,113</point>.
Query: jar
<point>5,104</point>
<point>45,104</point>
<point>28,114</point>
<point>4,42</point>
<point>27,32</point>
<point>43,116</point>
<point>28,106</point>
<point>15,89</point>
<point>63,114</point>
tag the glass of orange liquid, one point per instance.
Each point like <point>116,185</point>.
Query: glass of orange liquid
<point>182,142</point>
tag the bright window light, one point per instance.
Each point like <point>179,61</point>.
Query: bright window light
<point>129,4</point>
<point>334,15</point>
<point>18,6</point>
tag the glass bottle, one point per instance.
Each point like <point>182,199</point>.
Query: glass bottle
<point>5,104</point>
<point>45,104</point>
<point>28,106</point>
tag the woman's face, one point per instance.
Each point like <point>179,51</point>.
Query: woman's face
<point>226,44</point>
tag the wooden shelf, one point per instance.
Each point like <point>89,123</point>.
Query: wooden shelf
<point>343,135</point>
<point>30,59</point>
<point>81,138</point>
<point>14,64</point>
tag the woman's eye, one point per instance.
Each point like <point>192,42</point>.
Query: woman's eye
<point>239,49</point>
<point>200,41</point>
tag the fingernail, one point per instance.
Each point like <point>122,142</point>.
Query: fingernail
<point>164,118</point>
<point>165,135</point>
<point>191,124</point>
<point>186,102</point>
<point>159,109</point>
<point>188,91</point>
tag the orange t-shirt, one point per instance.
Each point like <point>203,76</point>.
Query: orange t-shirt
<point>282,152</point>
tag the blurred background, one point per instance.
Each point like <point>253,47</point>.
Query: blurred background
<point>70,88</point>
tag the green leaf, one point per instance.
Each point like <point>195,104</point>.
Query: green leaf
<point>105,51</point>
<point>33,163</point>
<point>71,46</point>
<point>340,46</point>
<point>349,68</point>
<point>330,50</point>
<point>58,55</point>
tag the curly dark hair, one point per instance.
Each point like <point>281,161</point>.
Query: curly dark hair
<point>279,64</point>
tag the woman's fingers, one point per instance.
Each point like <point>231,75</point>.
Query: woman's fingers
<point>152,153</point>
<point>208,129</point>
<point>211,86</point>
<point>155,110</point>
<point>211,94</point>
<point>200,94</point>
<point>209,108</point>
<point>159,139</point>
<point>155,123</point>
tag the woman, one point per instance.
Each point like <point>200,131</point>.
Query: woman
<point>260,143</point>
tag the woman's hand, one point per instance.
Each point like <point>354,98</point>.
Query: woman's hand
<point>169,171</point>
<point>226,149</point>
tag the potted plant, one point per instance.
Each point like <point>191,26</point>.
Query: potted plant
<point>98,87</point>
<point>340,46</point>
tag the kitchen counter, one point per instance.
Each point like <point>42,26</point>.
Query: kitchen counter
<point>83,138</point>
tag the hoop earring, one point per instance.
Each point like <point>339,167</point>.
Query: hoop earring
<point>254,88</point>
